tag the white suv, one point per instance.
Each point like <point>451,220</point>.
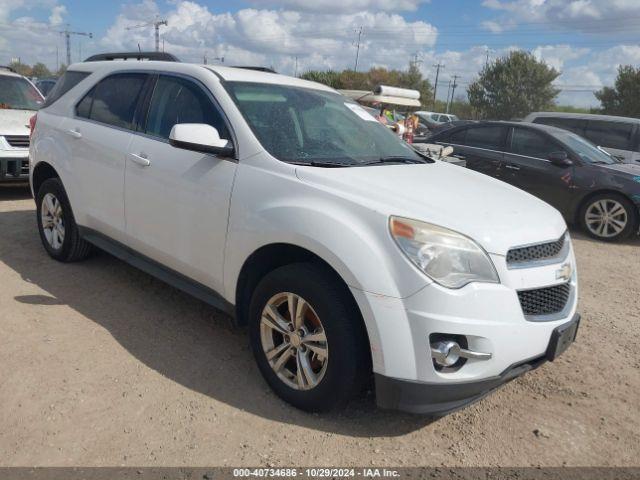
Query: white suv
<point>19,99</point>
<point>341,249</point>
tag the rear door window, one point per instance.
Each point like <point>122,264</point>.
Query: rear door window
<point>114,100</point>
<point>616,135</point>
<point>533,144</point>
<point>65,83</point>
<point>491,138</point>
<point>574,125</point>
<point>458,137</point>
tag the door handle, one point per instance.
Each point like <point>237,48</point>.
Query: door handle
<point>512,167</point>
<point>141,159</point>
<point>75,133</point>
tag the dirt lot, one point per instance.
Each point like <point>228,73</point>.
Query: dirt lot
<point>101,364</point>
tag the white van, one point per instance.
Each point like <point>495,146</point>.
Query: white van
<point>619,136</point>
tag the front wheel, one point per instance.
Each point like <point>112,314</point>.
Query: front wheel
<point>308,338</point>
<point>609,217</point>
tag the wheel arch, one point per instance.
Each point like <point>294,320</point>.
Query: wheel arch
<point>42,172</point>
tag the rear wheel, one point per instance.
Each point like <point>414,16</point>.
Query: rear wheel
<point>609,217</point>
<point>307,338</point>
<point>56,224</point>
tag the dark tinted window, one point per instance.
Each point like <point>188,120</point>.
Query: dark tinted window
<point>65,83</point>
<point>83,109</point>
<point>610,134</point>
<point>177,100</point>
<point>572,124</point>
<point>115,98</point>
<point>491,138</point>
<point>533,144</point>
<point>458,137</point>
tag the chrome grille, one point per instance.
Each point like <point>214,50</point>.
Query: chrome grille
<point>18,141</point>
<point>545,301</point>
<point>535,253</point>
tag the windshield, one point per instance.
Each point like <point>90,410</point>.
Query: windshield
<point>18,94</point>
<point>308,126</point>
<point>586,150</point>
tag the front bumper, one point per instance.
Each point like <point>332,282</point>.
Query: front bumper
<point>441,398</point>
<point>14,168</point>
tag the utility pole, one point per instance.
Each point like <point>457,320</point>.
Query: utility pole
<point>448,93</point>
<point>156,25</point>
<point>453,88</point>
<point>295,70</point>
<point>435,86</point>
<point>488,51</point>
<point>416,60</point>
<point>67,35</point>
<point>359,31</point>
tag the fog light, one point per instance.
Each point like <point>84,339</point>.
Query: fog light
<point>446,353</point>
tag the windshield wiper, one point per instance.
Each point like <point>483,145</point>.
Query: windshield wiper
<point>396,159</point>
<point>315,163</point>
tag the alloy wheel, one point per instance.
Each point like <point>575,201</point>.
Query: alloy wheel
<point>606,218</point>
<point>294,341</point>
<point>52,219</point>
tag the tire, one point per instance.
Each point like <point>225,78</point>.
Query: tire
<point>620,220</point>
<point>59,232</point>
<point>340,374</point>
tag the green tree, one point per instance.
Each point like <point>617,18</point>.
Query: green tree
<point>624,98</point>
<point>352,80</point>
<point>40,70</point>
<point>21,68</point>
<point>513,86</point>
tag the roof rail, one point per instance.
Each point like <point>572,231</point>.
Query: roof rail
<point>156,56</point>
<point>7,67</point>
<point>257,69</point>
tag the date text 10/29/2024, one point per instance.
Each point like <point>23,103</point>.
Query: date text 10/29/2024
<point>315,472</point>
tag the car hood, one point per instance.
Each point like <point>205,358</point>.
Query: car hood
<point>15,122</point>
<point>629,168</point>
<point>495,214</point>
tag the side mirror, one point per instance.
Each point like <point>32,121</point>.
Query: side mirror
<point>200,137</point>
<point>560,159</point>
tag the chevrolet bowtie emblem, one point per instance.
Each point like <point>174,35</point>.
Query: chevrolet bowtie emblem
<point>565,272</point>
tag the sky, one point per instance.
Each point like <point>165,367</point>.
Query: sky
<point>586,40</point>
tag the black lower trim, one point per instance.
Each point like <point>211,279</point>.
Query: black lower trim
<point>157,270</point>
<point>441,398</point>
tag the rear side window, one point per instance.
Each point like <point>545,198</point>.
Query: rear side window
<point>572,124</point>
<point>458,137</point>
<point>113,101</point>
<point>177,100</point>
<point>65,83</point>
<point>491,138</point>
<point>532,144</point>
<point>611,134</point>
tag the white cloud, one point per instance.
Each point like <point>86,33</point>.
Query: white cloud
<point>342,6</point>
<point>57,12</point>
<point>274,36</point>
<point>579,15</point>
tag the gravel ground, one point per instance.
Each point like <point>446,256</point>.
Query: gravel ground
<point>101,364</point>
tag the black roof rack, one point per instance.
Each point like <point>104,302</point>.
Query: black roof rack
<point>257,69</point>
<point>156,56</point>
<point>7,67</point>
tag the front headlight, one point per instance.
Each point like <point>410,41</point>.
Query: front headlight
<point>445,256</point>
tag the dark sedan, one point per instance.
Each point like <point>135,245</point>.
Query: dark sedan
<point>586,184</point>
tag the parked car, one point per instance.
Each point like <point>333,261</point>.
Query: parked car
<point>433,120</point>
<point>45,85</point>
<point>620,136</point>
<point>340,247</point>
<point>587,185</point>
<point>19,99</point>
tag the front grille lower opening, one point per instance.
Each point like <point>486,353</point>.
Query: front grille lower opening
<point>545,301</point>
